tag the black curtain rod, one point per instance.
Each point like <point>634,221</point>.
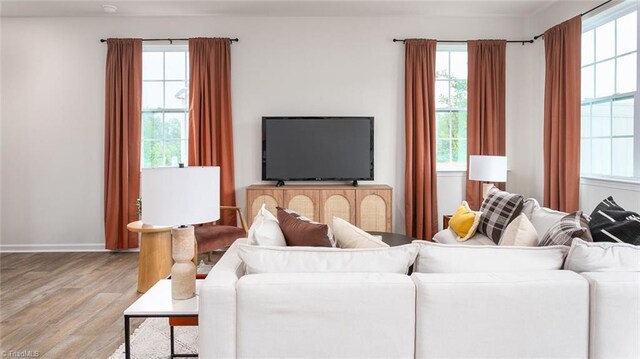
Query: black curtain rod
<point>583,14</point>
<point>464,41</point>
<point>172,40</point>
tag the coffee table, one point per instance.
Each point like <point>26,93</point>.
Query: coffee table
<point>157,303</point>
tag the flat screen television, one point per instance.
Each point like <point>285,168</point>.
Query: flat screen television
<point>317,149</point>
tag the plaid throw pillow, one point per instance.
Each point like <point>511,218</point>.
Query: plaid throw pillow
<point>573,225</point>
<point>498,210</point>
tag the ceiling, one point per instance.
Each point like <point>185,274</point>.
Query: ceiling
<point>53,8</point>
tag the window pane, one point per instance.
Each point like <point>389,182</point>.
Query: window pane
<point>176,94</point>
<point>151,125</point>
<point>459,151</point>
<point>444,148</point>
<point>585,125</point>
<point>587,47</point>
<point>152,95</point>
<point>604,78</point>
<point>626,73</point>
<point>585,156</point>
<point>442,64</point>
<point>459,94</point>
<point>605,41</point>
<point>442,94</point>
<point>172,153</point>
<point>601,119</point>
<point>174,126</point>
<point>459,65</point>
<point>601,156</point>
<point>622,161</point>
<point>623,117</point>
<point>587,82</point>
<point>152,154</point>
<point>462,125</point>
<point>627,33</point>
<point>174,68</point>
<point>443,124</point>
<point>151,65</point>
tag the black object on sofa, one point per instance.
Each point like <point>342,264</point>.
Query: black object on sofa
<point>612,223</point>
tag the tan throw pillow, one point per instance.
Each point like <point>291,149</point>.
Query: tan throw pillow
<point>299,230</point>
<point>520,232</point>
<point>349,236</point>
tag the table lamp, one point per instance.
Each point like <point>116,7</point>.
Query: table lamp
<point>181,197</point>
<point>487,169</point>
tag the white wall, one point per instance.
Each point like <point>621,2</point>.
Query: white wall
<point>53,94</point>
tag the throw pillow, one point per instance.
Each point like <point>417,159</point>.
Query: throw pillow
<point>612,223</point>
<point>327,260</point>
<point>460,258</point>
<point>349,236</point>
<point>529,206</point>
<point>520,232</point>
<point>265,230</point>
<point>464,222</point>
<point>498,210</point>
<point>573,225</point>
<point>299,230</point>
<point>544,218</point>
<point>602,257</point>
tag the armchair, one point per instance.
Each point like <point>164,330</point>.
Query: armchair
<point>212,236</point>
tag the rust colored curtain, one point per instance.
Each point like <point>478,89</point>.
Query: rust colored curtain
<point>485,106</point>
<point>210,130</point>
<point>562,115</point>
<point>122,141</point>
<point>421,196</point>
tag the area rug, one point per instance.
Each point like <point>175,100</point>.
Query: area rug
<point>152,340</point>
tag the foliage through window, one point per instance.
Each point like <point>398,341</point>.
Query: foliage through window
<point>609,126</point>
<point>451,107</point>
<point>165,105</point>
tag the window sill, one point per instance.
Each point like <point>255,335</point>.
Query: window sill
<point>615,183</point>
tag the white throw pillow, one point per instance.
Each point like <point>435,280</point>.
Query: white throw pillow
<point>602,257</point>
<point>458,258</point>
<point>349,236</point>
<point>259,259</point>
<point>265,230</point>
<point>529,206</point>
<point>544,218</point>
<point>520,232</point>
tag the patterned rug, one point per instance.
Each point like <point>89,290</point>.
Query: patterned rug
<point>152,340</point>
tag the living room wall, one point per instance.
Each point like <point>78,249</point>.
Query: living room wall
<point>53,104</point>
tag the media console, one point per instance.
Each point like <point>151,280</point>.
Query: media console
<point>366,206</point>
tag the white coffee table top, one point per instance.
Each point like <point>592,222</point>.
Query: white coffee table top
<point>157,301</point>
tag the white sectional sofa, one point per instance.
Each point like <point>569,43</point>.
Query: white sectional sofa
<point>441,311</point>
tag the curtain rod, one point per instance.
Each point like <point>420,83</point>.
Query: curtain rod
<point>172,40</point>
<point>583,14</point>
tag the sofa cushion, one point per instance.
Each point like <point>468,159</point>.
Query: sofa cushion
<point>602,257</point>
<point>573,225</point>
<point>349,236</point>
<point>529,206</point>
<point>448,236</point>
<point>265,230</point>
<point>447,258</point>
<point>543,218</point>
<point>612,223</point>
<point>464,222</point>
<point>261,259</point>
<point>498,210</point>
<point>520,232</point>
<point>301,231</point>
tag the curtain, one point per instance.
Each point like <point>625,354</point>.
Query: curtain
<point>485,106</point>
<point>421,196</point>
<point>562,115</point>
<point>122,141</point>
<point>210,130</point>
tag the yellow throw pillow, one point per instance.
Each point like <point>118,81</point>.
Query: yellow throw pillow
<point>464,222</point>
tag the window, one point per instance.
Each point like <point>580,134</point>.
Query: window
<point>609,124</point>
<point>165,105</point>
<point>451,108</point>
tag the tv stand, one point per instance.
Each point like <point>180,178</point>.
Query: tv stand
<point>279,183</point>
<point>355,183</point>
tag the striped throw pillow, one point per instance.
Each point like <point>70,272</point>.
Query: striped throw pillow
<point>573,225</point>
<point>498,210</point>
<point>612,223</point>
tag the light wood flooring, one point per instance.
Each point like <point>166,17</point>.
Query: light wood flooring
<point>66,305</point>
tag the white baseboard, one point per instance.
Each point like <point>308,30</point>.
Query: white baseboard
<point>63,247</point>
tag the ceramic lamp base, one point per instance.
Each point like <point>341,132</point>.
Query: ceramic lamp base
<point>486,187</point>
<point>183,272</point>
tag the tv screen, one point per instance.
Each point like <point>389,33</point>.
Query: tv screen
<point>317,148</point>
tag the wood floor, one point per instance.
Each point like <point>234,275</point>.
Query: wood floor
<point>65,305</point>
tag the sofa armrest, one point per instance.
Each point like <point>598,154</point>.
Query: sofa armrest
<point>217,306</point>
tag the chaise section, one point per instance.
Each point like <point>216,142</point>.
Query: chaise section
<point>538,314</point>
<point>325,315</point>
<point>615,314</point>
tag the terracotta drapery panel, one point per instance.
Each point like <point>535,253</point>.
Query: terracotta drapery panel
<point>421,196</point>
<point>122,140</point>
<point>210,130</point>
<point>485,106</point>
<point>562,115</point>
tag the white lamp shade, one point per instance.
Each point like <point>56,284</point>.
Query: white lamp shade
<point>488,168</point>
<point>180,196</point>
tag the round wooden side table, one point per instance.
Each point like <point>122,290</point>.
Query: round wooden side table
<point>155,259</point>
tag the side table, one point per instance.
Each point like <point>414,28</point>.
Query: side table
<point>157,303</point>
<point>155,254</point>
